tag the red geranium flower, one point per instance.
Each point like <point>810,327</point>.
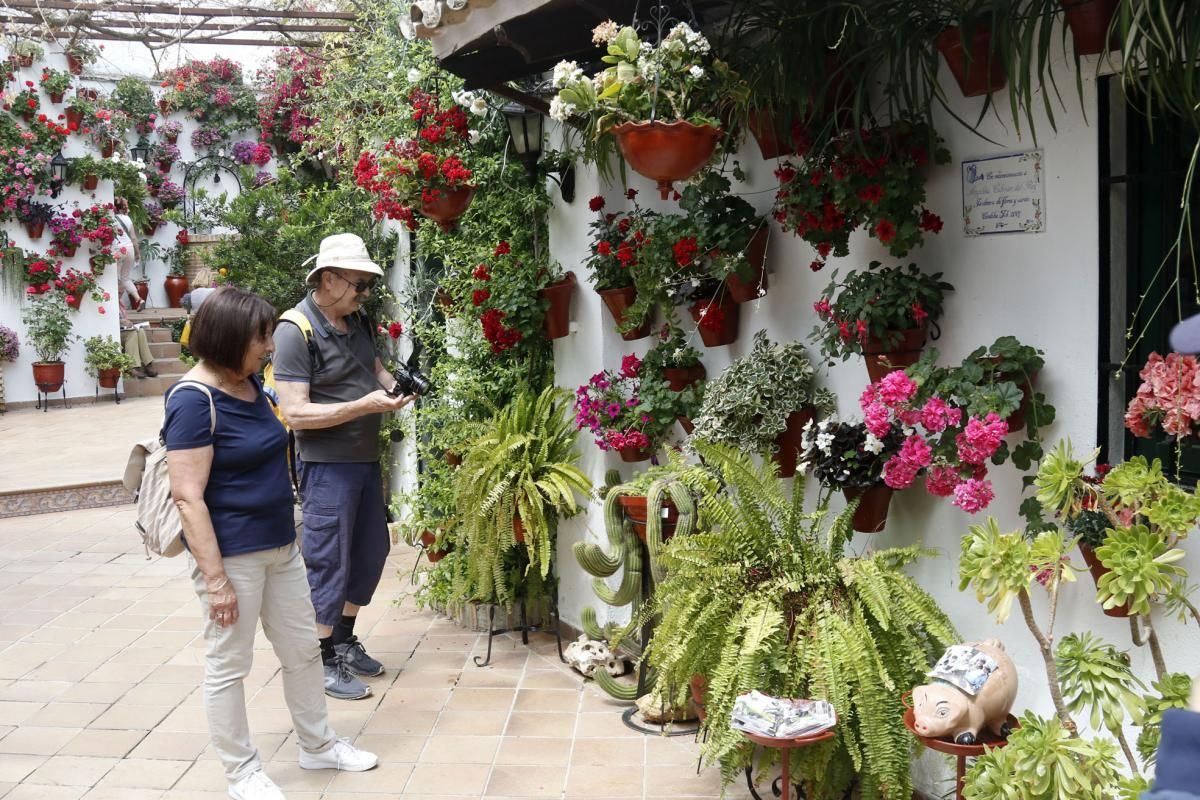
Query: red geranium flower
<point>885,231</point>
<point>596,203</point>
<point>394,330</point>
<point>604,248</point>
<point>503,249</point>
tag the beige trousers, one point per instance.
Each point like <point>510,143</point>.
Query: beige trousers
<point>271,585</point>
<point>137,346</point>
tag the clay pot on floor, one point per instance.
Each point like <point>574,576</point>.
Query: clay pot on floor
<point>790,440</point>
<point>176,287</point>
<point>618,302</point>
<point>872,511</point>
<point>1098,571</point>
<point>557,322</point>
<point>900,353</point>
<point>107,378</point>
<point>48,375</point>
<point>985,71</point>
<point>634,507</point>
<point>667,151</point>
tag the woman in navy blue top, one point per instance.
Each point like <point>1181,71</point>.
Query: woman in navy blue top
<point>230,483</point>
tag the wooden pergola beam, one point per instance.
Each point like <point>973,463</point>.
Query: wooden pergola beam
<point>256,27</point>
<point>159,8</point>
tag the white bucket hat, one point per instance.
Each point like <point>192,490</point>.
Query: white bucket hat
<point>343,251</point>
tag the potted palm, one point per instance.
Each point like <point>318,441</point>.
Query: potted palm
<point>48,330</point>
<point>106,360</point>
<point>662,103</point>
<point>761,403</point>
<point>515,481</point>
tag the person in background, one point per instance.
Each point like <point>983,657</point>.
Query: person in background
<point>202,287</point>
<point>136,345</point>
<point>336,409</point>
<point>131,255</point>
<point>231,486</point>
<point>1177,774</point>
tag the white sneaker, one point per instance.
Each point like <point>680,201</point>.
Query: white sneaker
<point>342,755</point>
<point>255,786</point>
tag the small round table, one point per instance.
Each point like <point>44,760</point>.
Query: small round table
<point>787,745</point>
<point>961,752</point>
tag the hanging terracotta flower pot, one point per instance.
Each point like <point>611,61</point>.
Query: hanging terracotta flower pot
<point>632,455</point>
<point>75,300</point>
<point>1098,571</point>
<point>164,107</point>
<point>789,442</point>
<point>680,378</point>
<point>56,97</point>
<point>557,322</point>
<point>27,116</point>
<point>150,227</point>
<point>686,424</point>
<point>164,166</point>
<point>618,302</point>
<point>453,459</point>
<point>743,290</point>
<point>26,61</point>
<point>48,375</point>
<point>518,529</point>
<point>717,320</point>
<point>67,250</point>
<point>666,152</point>
<point>773,137</point>
<point>634,507</point>
<point>90,182</point>
<point>74,117</point>
<point>977,70</point>
<point>172,138</point>
<point>90,94</point>
<point>1016,420</point>
<point>35,229</point>
<point>108,378</point>
<point>900,354</point>
<point>1089,21</point>
<point>872,511</point>
<point>428,540</point>
<point>448,206</point>
<point>106,148</point>
<point>74,64</point>
<point>176,287</point>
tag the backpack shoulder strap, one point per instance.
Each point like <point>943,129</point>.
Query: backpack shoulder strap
<point>212,406</point>
<point>300,320</point>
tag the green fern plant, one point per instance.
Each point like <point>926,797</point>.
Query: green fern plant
<point>522,467</point>
<point>764,597</point>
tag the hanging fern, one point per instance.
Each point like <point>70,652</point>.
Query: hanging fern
<point>765,598</point>
<point>522,467</point>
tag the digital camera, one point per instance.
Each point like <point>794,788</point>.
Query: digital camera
<point>410,380</point>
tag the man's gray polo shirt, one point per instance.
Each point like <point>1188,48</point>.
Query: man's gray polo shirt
<point>344,371</point>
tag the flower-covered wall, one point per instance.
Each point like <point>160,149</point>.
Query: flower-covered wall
<point>182,113</point>
<point>1040,287</point>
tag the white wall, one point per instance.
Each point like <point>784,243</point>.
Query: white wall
<point>117,60</point>
<point>1040,287</point>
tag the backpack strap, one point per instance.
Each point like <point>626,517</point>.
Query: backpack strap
<point>212,407</point>
<point>301,321</point>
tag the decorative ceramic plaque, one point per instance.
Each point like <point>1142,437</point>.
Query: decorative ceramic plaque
<point>1004,194</point>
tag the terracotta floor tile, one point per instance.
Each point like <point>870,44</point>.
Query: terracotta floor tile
<point>405,699</point>
<point>480,699</point>
<point>525,781</point>
<point>467,779</point>
<point>550,679</point>
<point>392,748</point>
<point>460,750</point>
<point>520,750</point>
<point>537,723</point>
<point>556,700</point>
<point>683,782</point>
<point>388,778</point>
<point>490,677</point>
<point>603,724</point>
<point>469,723</point>
<point>595,781</point>
<point>413,723</point>
<point>598,752</point>
<point>102,743</point>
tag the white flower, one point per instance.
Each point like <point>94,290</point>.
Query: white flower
<point>116,158</point>
<point>566,72</point>
<point>479,106</point>
<point>561,111</point>
<point>474,136</point>
<point>824,440</point>
<point>414,75</point>
<point>696,71</point>
<point>605,32</point>
<point>873,444</point>
<point>649,68</point>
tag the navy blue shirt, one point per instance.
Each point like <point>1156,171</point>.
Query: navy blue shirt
<point>249,494</point>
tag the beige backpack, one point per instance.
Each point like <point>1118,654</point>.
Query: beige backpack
<point>146,476</point>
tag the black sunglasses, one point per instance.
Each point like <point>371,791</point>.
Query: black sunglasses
<point>360,286</point>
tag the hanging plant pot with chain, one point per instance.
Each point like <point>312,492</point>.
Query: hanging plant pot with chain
<point>667,152</point>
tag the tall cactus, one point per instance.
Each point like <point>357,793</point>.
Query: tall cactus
<point>624,551</point>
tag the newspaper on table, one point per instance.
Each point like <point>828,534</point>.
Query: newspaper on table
<point>781,718</point>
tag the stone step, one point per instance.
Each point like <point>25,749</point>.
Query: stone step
<point>166,349</point>
<point>148,387</point>
<point>155,335</point>
<point>156,316</point>
<point>169,366</point>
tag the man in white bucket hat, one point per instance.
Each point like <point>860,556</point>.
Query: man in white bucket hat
<point>332,390</point>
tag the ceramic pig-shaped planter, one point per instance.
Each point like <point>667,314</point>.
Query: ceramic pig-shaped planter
<point>973,689</point>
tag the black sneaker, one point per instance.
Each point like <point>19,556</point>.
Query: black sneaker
<point>355,655</point>
<point>340,684</point>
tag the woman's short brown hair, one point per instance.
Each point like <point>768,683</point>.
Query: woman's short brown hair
<point>228,322</point>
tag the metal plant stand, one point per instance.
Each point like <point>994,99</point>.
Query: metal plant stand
<point>116,393</point>
<point>43,396</point>
<point>525,627</point>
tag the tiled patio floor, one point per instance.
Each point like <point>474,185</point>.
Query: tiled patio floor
<point>101,663</point>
